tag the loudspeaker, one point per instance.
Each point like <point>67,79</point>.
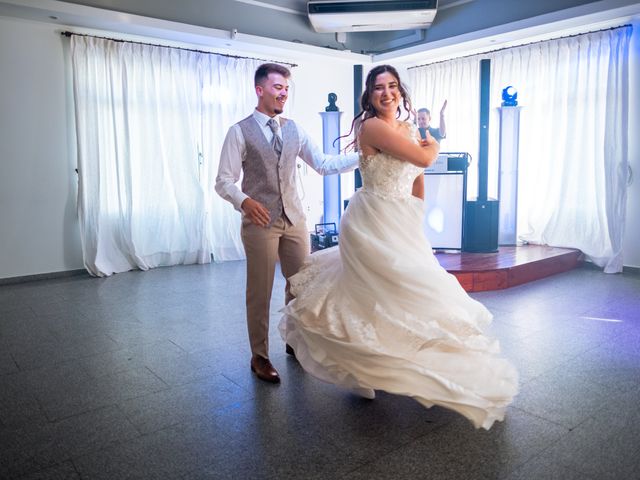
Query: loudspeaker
<point>483,144</point>
<point>480,232</point>
<point>357,93</point>
<point>458,164</point>
<point>481,216</point>
<point>357,179</point>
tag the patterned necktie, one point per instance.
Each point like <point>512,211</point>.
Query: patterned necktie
<point>276,141</point>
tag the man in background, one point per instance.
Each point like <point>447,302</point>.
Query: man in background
<point>423,119</point>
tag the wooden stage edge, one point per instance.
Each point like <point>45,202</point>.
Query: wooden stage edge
<point>509,266</point>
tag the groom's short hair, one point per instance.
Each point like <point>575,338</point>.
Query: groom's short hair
<point>265,69</point>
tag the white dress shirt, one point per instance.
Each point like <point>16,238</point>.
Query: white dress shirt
<point>233,155</point>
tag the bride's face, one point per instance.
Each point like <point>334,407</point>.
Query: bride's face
<point>386,95</point>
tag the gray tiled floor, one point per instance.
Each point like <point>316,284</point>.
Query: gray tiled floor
<point>146,375</point>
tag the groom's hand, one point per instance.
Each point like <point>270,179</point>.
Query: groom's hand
<point>256,212</point>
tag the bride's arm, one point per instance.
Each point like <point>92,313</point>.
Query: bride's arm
<point>418,187</point>
<point>381,136</point>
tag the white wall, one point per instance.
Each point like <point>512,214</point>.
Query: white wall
<point>38,185</point>
<point>632,227</point>
<point>312,82</point>
<point>39,227</point>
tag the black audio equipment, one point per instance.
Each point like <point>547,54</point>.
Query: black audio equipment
<point>457,161</point>
<point>357,93</point>
<point>483,153</point>
<point>325,236</point>
<point>480,226</point>
<point>481,216</point>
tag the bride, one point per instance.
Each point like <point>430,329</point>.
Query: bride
<point>379,312</point>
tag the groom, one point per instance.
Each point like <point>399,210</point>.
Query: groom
<point>264,147</point>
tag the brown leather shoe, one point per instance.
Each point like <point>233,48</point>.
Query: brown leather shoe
<point>264,370</point>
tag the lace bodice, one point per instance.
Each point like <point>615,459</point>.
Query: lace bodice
<point>387,176</point>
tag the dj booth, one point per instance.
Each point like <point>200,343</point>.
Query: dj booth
<point>445,192</point>
<point>325,236</point>
<point>445,186</point>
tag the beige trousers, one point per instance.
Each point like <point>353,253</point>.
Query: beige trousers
<point>263,247</point>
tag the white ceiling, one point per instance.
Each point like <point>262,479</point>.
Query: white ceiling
<point>80,14</point>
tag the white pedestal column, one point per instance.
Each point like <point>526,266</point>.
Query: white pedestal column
<point>508,178</point>
<point>331,131</point>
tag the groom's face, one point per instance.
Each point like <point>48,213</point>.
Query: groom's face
<point>272,94</point>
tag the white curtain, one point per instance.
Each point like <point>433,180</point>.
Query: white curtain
<point>228,96</point>
<point>457,82</point>
<point>147,148</point>
<point>574,94</point>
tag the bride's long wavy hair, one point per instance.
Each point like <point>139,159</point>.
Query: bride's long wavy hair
<point>368,111</point>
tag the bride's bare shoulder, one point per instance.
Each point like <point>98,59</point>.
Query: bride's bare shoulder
<point>372,124</point>
<point>369,130</point>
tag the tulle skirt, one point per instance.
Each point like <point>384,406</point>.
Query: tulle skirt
<point>379,312</point>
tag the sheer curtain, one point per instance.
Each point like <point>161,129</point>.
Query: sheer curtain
<point>574,94</point>
<point>146,150</point>
<point>457,82</point>
<point>228,96</point>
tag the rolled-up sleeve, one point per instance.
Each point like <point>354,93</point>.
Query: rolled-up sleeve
<point>322,163</point>
<point>230,168</point>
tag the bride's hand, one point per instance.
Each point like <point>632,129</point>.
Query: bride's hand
<point>429,143</point>
<point>428,140</point>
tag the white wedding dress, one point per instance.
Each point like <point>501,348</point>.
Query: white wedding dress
<point>379,312</point>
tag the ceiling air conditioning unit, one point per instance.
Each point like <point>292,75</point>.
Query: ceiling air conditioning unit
<point>370,15</point>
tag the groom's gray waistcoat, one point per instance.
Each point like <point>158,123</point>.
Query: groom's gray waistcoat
<point>268,180</point>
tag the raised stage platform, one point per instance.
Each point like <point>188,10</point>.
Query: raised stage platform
<point>510,266</point>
